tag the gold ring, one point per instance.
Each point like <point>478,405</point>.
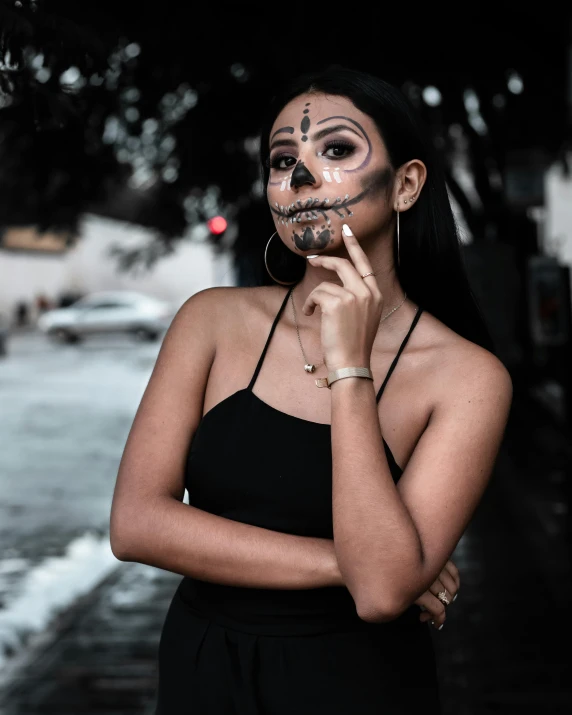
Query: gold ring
<point>442,596</point>
<point>365,275</point>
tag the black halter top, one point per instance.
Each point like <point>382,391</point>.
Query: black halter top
<point>252,463</point>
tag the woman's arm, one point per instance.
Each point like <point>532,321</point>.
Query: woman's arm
<point>191,542</point>
<point>392,541</point>
<point>150,523</point>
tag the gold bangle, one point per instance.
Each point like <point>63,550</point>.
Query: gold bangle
<point>344,372</point>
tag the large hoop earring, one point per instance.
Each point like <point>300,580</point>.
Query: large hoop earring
<point>276,280</point>
<point>398,258</point>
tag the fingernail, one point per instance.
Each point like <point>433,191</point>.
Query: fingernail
<point>454,598</point>
<point>314,256</point>
<point>347,230</point>
<point>441,626</point>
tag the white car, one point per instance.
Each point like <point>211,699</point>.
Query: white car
<point>110,312</point>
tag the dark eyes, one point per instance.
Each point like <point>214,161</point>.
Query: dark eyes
<point>282,161</point>
<point>338,149</point>
<point>335,149</point>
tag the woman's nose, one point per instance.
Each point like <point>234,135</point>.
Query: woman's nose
<point>301,176</point>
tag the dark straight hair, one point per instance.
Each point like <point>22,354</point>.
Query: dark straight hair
<point>431,269</point>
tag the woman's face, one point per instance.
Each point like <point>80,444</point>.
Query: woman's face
<point>328,166</point>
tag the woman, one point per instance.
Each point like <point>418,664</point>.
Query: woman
<point>315,547</point>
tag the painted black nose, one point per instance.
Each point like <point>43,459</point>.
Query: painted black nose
<point>301,176</point>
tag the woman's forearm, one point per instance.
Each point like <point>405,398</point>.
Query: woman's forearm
<point>377,545</point>
<point>174,536</point>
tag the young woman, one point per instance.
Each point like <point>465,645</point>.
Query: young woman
<point>316,545</point>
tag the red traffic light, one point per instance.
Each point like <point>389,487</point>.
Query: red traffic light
<point>217,225</point>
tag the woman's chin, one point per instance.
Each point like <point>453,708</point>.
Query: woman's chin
<point>312,237</point>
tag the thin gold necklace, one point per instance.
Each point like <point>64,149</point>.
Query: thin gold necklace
<point>312,367</point>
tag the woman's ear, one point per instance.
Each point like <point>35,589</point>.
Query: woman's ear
<point>410,179</point>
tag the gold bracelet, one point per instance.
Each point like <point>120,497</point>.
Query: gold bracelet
<point>344,372</point>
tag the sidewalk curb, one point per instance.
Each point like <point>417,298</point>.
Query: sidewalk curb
<point>39,642</point>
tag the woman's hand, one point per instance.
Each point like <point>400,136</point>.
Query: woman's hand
<point>433,610</point>
<point>350,313</point>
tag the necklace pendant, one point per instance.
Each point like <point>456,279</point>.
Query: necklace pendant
<point>309,368</point>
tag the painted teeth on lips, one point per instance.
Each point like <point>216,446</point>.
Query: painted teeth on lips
<point>294,209</point>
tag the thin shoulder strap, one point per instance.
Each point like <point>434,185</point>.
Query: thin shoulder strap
<point>401,349</point>
<point>269,338</point>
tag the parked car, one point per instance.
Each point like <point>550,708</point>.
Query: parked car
<point>110,312</point>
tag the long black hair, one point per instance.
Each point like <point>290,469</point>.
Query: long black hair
<point>431,269</point>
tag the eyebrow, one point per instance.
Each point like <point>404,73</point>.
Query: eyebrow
<point>283,142</point>
<point>283,130</point>
<point>315,137</point>
<point>330,130</point>
<point>347,119</point>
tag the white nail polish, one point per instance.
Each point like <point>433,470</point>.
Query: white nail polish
<point>347,230</point>
<point>314,256</point>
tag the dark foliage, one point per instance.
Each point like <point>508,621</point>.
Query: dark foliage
<point>205,76</point>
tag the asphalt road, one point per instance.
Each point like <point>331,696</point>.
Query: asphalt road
<point>65,413</point>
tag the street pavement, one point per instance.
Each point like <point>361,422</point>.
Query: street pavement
<point>503,648</point>
<point>65,412</point>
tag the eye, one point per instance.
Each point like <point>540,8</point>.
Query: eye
<point>339,149</point>
<point>282,161</point>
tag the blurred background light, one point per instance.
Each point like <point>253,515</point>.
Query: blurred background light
<point>239,72</point>
<point>37,61</point>
<point>471,100</point>
<point>70,76</point>
<point>150,126</point>
<point>252,146</point>
<point>132,114</point>
<point>170,174</point>
<point>514,82</point>
<point>131,94</point>
<point>432,96</point>
<point>43,75</point>
<point>132,50</point>
<point>472,105</point>
<point>217,225</point>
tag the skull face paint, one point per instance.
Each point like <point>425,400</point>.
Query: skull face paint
<point>301,176</point>
<point>311,238</point>
<point>334,167</point>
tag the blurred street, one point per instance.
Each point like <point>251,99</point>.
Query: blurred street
<point>66,412</point>
<point>501,650</point>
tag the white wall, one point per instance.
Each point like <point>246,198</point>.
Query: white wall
<point>558,226</point>
<point>88,267</point>
<point>23,276</point>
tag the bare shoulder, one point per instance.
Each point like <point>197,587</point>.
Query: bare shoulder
<point>466,371</point>
<point>225,310</point>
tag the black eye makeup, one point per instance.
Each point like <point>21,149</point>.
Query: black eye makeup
<point>338,149</point>
<point>282,161</point>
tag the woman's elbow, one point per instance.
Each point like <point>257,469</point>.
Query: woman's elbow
<point>123,535</point>
<point>119,546</point>
<point>382,610</point>
<point>379,613</point>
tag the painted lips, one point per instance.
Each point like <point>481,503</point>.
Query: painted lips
<point>311,209</point>
<point>301,216</point>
